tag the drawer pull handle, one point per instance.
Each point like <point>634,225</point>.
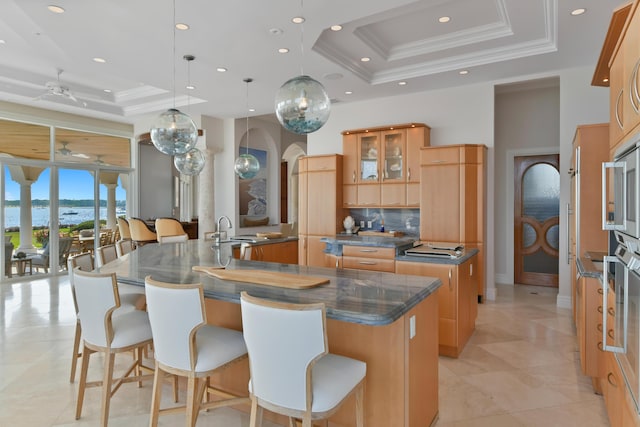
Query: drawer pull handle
<point>599,309</point>
<point>600,346</point>
<point>367,263</point>
<point>599,327</point>
<point>409,174</point>
<point>369,250</point>
<point>610,333</point>
<point>437,161</point>
<point>617,111</point>
<point>450,284</point>
<point>600,291</point>
<point>611,311</point>
<point>613,383</point>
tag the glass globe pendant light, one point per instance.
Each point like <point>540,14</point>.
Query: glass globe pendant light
<point>174,132</point>
<point>190,163</point>
<point>302,104</point>
<point>246,165</point>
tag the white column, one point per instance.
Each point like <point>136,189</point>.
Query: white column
<point>26,226</point>
<point>206,201</point>
<point>111,206</point>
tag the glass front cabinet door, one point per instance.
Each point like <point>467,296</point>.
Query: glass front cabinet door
<point>394,151</point>
<point>369,154</point>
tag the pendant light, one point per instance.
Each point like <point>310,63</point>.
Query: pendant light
<point>192,162</point>
<point>302,104</point>
<point>247,166</point>
<point>174,132</point>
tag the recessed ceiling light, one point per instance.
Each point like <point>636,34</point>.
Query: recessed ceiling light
<point>106,90</point>
<point>336,27</point>
<point>365,59</point>
<point>182,26</point>
<point>297,20</point>
<point>348,92</point>
<point>579,11</point>
<point>221,69</point>
<point>99,60</point>
<point>463,72</point>
<point>605,80</point>
<point>403,83</point>
<point>444,19</point>
<point>252,110</point>
<point>55,9</point>
<point>190,87</point>
<point>283,50</point>
<point>2,41</point>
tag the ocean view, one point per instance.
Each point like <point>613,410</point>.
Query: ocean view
<point>40,215</point>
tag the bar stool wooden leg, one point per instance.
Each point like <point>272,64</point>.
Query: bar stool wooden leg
<point>109,359</point>
<point>360,406</point>
<point>86,355</point>
<point>156,397</point>
<point>76,352</point>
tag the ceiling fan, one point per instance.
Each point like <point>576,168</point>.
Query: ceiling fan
<point>64,150</point>
<point>56,88</point>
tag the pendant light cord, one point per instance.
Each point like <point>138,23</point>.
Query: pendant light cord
<point>248,80</point>
<point>174,54</point>
<point>302,39</point>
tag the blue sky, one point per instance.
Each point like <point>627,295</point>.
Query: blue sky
<point>74,184</point>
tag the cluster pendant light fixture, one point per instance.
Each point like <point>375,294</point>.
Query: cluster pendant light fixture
<point>246,165</point>
<point>302,104</point>
<point>174,132</point>
<point>191,162</point>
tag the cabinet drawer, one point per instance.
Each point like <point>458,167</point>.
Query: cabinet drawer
<point>321,163</point>
<point>375,264</point>
<point>430,156</point>
<point>369,252</point>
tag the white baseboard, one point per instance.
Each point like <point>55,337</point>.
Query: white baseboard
<point>490,294</point>
<point>563,301</point>
<point>502,279</point>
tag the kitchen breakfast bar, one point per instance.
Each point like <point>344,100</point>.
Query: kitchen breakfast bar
<point>389,321</point>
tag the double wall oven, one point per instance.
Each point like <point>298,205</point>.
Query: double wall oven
<point>621,271</point>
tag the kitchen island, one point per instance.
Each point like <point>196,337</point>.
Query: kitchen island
<point>389,321</point>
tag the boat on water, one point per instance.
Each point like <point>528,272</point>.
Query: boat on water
<point>70,213</point>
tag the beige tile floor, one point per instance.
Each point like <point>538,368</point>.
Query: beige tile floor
<point>520,368</point>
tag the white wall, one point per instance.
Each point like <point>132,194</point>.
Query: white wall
<point>527,122</point>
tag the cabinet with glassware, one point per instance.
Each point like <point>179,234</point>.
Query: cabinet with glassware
<point>381,166</point>
<point>453,199</point>
<point>320,205</point>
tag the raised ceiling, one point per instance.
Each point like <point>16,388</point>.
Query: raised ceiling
<point>494,40</point>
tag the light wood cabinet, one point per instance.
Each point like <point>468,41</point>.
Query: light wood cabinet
<point>382,165</point>
<point>453,199</point>
<point>320,205</point>
<point>589,328</point>
<point>457,300</point>
<point>369,258</point>
<point>282,252</point>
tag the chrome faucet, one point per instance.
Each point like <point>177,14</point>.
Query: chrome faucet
<point>220,222</point>
<point>217,236</point>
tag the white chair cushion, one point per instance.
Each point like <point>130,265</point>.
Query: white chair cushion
<point>130,328</point>
<point>333,378</point>
<point>130,299</point>
<point>217,346</point>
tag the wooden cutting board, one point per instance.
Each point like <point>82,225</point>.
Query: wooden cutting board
<point>263,277</point>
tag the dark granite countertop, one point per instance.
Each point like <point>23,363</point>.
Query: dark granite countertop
<point>590,265</point>
<point>355,296</point>
<point>335,244</point>
<point>468,253</point>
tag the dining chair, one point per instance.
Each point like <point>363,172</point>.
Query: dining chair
<point>185,345</point>
<point>180,238</point>
<point>128,301</point>
<point>169,227</point>
<point>123,227</point>
<point>105,254</point>
<point>306,383</point>
<point>109,333</point>
<point>41,260</point>
<point>124,246</point>
<point>141,234</point>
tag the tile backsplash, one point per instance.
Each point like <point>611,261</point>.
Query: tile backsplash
<point>404,220</point>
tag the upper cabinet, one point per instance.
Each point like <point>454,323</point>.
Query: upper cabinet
<point>381,166</point>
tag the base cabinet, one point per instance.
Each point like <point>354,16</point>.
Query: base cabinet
<point>282,252</point>
<point>457,300</point>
